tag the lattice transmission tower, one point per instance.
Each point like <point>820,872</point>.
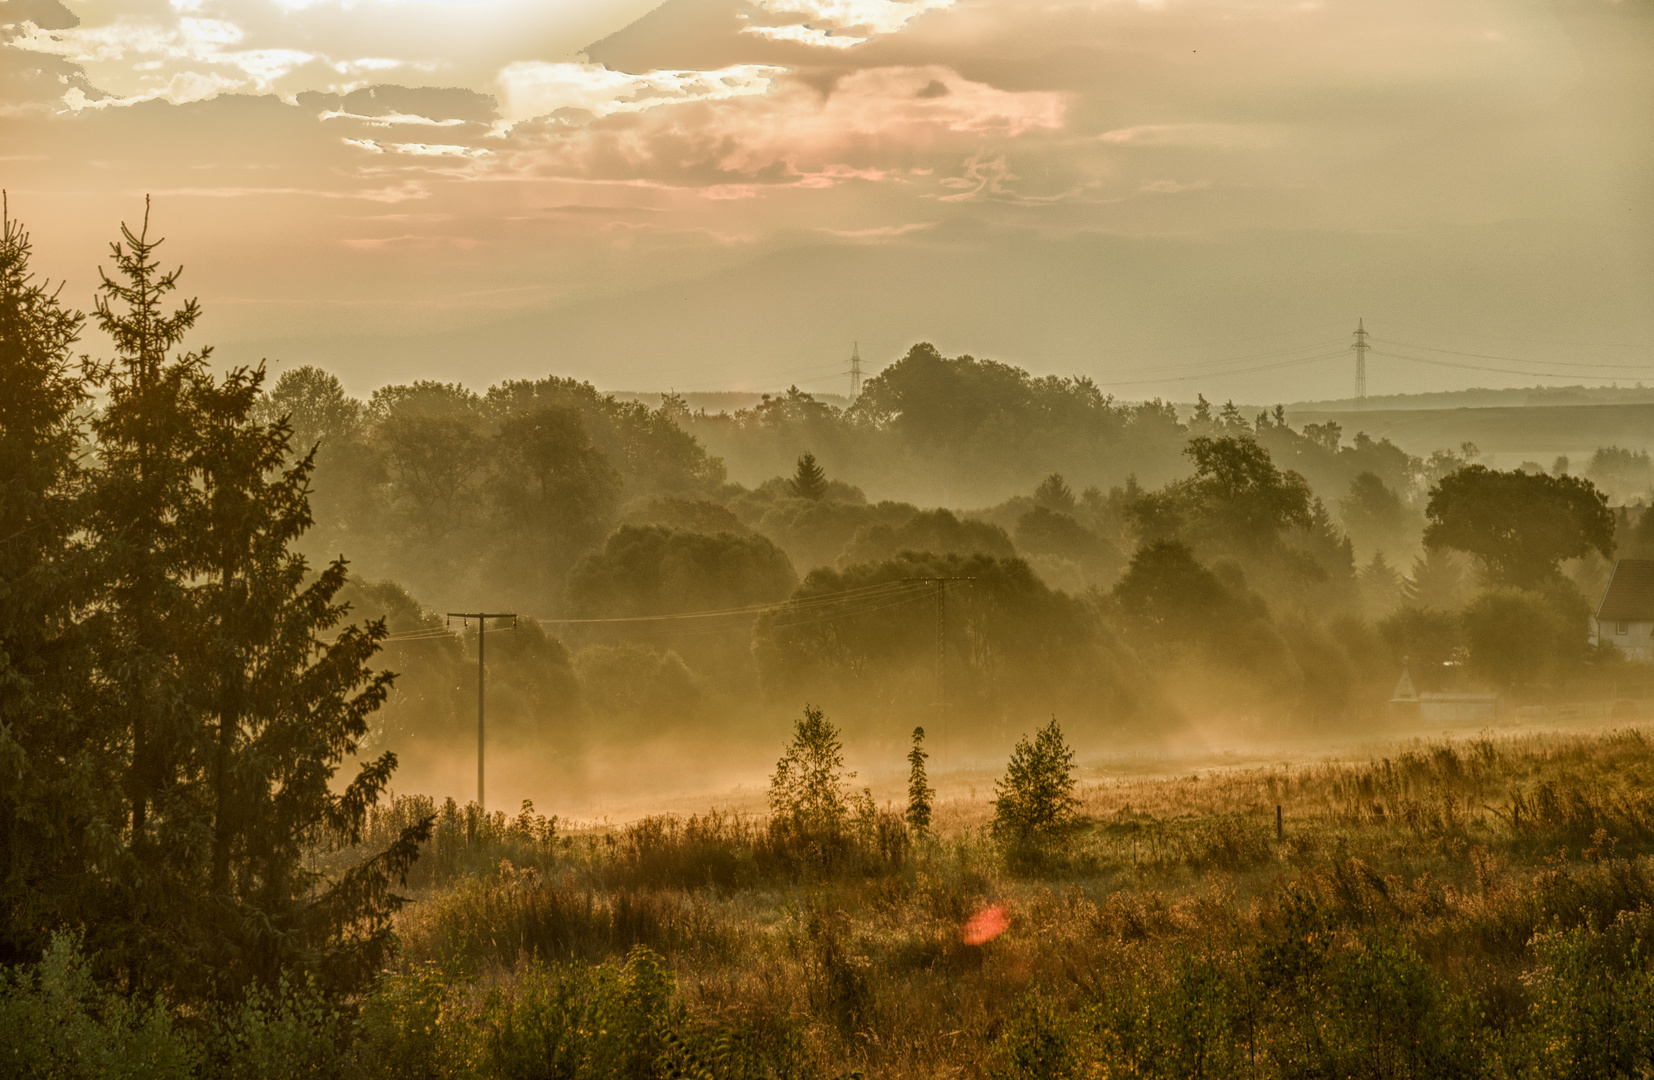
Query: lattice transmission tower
<point>855,371</point>
<point>1360,348</point>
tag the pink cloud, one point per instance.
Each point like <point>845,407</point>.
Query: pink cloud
<point>877,125</point>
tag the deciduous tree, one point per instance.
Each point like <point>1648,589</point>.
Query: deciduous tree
<point>1520,525</point>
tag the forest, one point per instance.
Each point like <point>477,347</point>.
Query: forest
<point>230,687</point>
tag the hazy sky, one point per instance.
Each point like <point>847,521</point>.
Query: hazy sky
<point>1167,196</point>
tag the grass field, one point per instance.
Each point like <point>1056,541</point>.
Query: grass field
<point>1452,906</point>
<point>1477,906</point>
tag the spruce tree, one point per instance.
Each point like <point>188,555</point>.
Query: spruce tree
<point>54,806</point>
<point>809,480</point>
<point>233,709</point>
<point>281,712</point>
<point>920,795</point>
<point>141,627</point>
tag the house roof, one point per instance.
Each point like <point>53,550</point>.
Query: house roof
<point>1630,592</point>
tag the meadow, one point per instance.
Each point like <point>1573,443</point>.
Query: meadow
<point>1474,907</point>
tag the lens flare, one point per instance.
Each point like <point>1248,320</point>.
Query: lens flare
<point>985,925</point>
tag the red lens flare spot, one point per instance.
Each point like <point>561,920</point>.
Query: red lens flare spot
<point>985,925</point>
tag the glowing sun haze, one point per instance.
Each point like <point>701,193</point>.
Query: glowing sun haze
<point>1174,196</point>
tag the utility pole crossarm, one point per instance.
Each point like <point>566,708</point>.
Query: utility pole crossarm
<point>482,618</point>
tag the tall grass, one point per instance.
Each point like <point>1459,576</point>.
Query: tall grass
<point>1469,908</point>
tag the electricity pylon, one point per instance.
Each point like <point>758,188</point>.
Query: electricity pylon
<point>1360,348</point>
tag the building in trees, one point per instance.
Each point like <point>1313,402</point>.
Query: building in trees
<point>1624,618</point>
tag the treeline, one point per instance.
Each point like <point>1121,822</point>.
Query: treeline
<point>1153,568</point>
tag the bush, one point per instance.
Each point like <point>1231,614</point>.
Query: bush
<point>55,1022</point>
<point>1593,1001</point>
<point>288,1032</point>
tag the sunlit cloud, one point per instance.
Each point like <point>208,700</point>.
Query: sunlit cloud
<point>881,232</point>
<point>1218,136</point>
<point>534,88</point>
<point>189,61</point>
<point>871,16</point>
<point>806,35</point>
<point>391,119</point>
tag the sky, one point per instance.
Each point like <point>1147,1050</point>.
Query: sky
<point>1166,196</point>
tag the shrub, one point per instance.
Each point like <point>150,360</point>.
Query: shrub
<point>1593,1001</point>
<point>287,1032</point>
<point>55,1022</point>
<point>1038,1043</point>
<point>575,1022</point>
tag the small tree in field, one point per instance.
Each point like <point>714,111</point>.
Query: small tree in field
<point>1036,798</point>
<point>808,792</point>
<point>809,480</point>
<point>920,794</point>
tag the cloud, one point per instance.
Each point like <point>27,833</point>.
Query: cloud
<point>386,120</point>
<point>1173,187</point>
<point>881,232</point>
<point>877,126</point>
<point>1217,136</point>
<point>843,124</point>
<point>872,16</point>
<point>806,35</point>
<point>536,88</point>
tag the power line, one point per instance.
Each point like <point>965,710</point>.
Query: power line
<point>1339,355</point>
<point>751,609</point>
<point>1552,343</point>
<point>1521,360</point>
<point>1530,372</point>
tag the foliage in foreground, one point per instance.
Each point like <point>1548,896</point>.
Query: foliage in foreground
<point>620,1019</point>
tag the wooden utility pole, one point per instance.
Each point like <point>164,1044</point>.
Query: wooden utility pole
<point>482,618</point>
<point>941,584</point>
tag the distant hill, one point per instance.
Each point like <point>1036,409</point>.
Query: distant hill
<point>1478,398</point>
<point>1508,435</point>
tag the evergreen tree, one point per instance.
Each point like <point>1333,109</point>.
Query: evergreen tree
<point>1437,580</point>
<point>280,711</point>
<point>1036,797</point>
<point>1054,494</point>
<point>1380,585</point>
<point>920,795</point>
<point>141,629</point>
<point>212,673</point>
<point>53,805</point>
<point>809,481</point>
